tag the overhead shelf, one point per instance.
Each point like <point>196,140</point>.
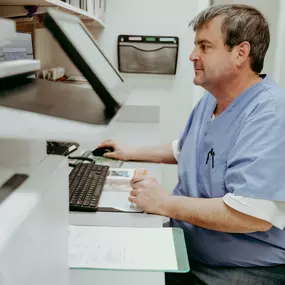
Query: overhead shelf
<point>9,8</point>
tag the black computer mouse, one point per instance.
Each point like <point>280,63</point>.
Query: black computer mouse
<point>101,150</point>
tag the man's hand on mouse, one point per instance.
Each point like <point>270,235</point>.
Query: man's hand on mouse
<point>120,152</point>
<point>148,195</point>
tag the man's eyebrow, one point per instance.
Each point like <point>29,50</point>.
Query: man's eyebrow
<point>200,42</point>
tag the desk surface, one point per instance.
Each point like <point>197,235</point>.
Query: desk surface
<point>107,277</point>
<point>101,277</point>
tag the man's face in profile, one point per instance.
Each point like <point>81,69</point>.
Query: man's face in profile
<point>213,62</point>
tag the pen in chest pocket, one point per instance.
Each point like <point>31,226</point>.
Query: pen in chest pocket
<point>212,153</point>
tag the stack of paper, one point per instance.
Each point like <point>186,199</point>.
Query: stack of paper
<point>116,192</point>
<point>148,249</point>
<point>116,201</point>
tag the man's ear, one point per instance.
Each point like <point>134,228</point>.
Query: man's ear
<point>243,52</point>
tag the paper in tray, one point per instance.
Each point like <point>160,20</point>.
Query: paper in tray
<point>147,54</point>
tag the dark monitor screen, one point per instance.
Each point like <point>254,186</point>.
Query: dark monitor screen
<point>85,53</point>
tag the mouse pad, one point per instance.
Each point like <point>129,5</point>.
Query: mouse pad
<point>103,160</point>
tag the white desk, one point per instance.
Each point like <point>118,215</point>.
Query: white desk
<point>135,134</point>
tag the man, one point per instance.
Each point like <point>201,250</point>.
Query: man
<point>231,158</point>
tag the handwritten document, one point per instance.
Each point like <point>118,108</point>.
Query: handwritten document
<point>122,248</point>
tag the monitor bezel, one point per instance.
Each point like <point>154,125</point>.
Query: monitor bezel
<point>52,22</point>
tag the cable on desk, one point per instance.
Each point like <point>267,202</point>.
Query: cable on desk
<point>91,160</point>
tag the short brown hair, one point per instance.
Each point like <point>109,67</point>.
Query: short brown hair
<point>240,23</point>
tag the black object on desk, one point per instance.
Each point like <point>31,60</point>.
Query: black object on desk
<point>61,148</point>
<point>86,182</point>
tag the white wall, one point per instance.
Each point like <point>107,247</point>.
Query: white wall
<point>279,63</point>
<point>159,17</point>
<point>174,93</point>
<point>270,9</point>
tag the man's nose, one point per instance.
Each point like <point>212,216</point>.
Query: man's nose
<point>194,56</point>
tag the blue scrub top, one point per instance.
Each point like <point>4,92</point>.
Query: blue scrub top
<point>242,151</point>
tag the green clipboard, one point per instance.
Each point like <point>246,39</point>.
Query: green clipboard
<point>181,251</point>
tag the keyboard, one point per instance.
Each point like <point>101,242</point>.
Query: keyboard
<point>86,182</point>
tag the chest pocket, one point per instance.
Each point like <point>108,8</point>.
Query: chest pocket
<point>213,175</point>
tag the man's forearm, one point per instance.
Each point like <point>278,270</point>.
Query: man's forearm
<point>158,154</point>
<point>212,214</point>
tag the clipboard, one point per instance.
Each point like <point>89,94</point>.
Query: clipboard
<point>116,248</point>
<point>147,54</point>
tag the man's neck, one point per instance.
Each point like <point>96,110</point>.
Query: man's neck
<point>228,91</point>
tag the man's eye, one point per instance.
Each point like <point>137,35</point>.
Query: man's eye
<point>204,48</point>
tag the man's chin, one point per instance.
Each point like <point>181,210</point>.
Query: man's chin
<point>197,81</point>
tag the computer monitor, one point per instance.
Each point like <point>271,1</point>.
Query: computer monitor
<point>85,53</point>
<point>97,106</point>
